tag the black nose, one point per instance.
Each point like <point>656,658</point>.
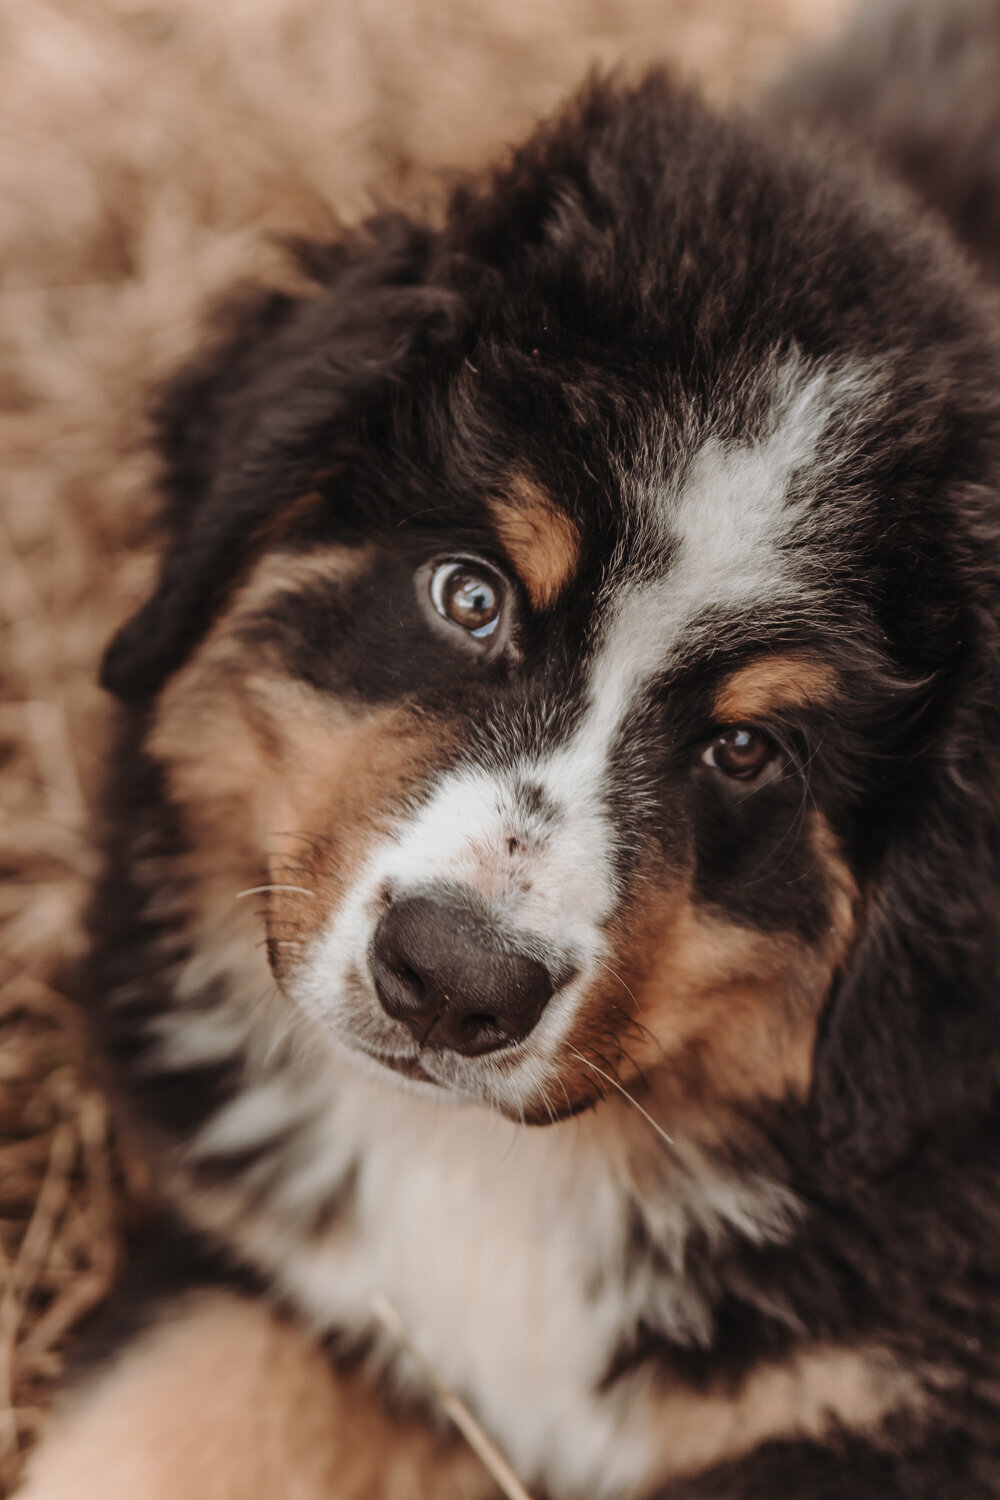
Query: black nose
<point>441,971</point>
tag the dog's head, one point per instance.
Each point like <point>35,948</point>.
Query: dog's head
<point>580,620</point>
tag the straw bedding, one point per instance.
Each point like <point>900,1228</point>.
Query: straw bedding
<point>147,153</point>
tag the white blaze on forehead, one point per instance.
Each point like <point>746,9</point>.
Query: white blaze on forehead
<point>733,519</point>
<point>728,526</point>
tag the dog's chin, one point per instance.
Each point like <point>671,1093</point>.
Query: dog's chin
<point>412,1076</point>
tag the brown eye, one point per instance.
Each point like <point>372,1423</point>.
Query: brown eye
<point>468,595</point>
<point>741,752</point>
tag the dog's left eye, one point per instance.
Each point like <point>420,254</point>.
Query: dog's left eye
<point>469,595</point>
<point>741,753</point>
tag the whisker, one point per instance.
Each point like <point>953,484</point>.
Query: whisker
<point>255,890</point>
<point>569,1102</point>
<point>639,1031</point>
<point>543,1095</point>
<point>619,979</point>
<point>791,834</point>
<point>629,1059</point>
<point>624,1093</point>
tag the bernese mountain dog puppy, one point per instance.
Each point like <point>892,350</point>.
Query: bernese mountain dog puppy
<point>553,876</point>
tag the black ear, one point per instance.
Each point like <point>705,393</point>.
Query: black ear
<point>910,1046</point>
<point>245,427</point>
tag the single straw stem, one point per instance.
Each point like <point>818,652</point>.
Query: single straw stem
<point>487,1453</point>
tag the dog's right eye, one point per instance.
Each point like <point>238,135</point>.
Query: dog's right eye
<point>468,594</point>
<point>742,753</point>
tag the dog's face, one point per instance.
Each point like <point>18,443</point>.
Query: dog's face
<point>559,694</point>
<point>534,783</point>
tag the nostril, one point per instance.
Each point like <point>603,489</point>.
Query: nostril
<point>477,1027</point>
<point>400,986</point>
<point>408,976</point>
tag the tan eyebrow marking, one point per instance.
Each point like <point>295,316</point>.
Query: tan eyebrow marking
<point>540,539</point>
<point>787,680</point>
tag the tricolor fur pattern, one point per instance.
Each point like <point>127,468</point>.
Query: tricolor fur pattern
<point>552,870</point>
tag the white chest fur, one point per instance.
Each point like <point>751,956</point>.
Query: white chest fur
<point>504,1250</point>
<point>491,1245</point>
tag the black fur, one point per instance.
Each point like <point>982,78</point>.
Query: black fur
<point>627,273</point>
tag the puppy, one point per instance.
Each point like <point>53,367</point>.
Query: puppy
<point>552,870</point>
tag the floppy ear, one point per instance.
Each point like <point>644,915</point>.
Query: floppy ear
<point>244,429</point>
<point>911,1040</point>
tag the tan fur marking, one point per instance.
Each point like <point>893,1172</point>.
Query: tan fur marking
<point>281,521</point>
<point>724,1012</point>
<point>811,1396</point>
<point>255,758</point>
<point>225,1402</point>
<point>773,683</point>
<point>540,539</point>
<point>277,573</point>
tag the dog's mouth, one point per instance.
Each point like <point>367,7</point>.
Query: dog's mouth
<point>513,1076</point>
<point>408,1067</point>
<point>523,1111</point>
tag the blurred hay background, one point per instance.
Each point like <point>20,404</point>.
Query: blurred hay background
<point>146,149</point>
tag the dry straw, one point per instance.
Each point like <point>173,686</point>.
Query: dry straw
<point>146,150</point>
<point>486,1451</point>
